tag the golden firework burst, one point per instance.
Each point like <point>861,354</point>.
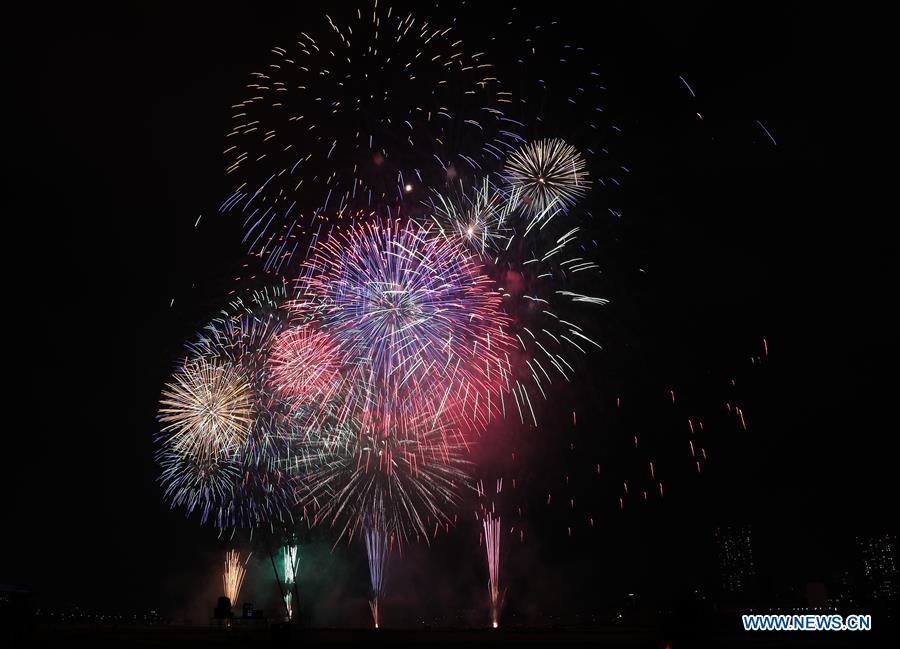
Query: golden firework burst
<point>207,409</point>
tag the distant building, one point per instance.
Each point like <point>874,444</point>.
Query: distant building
<point>842,592</point>
<point>878,556</point>
<point>734,549</point>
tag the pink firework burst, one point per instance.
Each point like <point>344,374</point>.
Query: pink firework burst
<point>304,365</point>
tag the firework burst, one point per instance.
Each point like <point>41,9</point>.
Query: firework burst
<point>207,410</point>
<point>435,255</point>
<point>404,486</point>
<point>197,483</point>
<point>544,272</point>
<point>475,218</point>
<point>417,321</point>
<point>433,112</point>
<point>550,174</point>
<point>304,366</point>
<point>230,476</point>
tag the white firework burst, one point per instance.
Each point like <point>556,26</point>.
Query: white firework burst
<point>550,175</point>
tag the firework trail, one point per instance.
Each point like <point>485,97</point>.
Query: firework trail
<point>491,537</point>
<point>233,578</point>
<point>434,112</point>
<point>377,548</point>
<point>491,525</point>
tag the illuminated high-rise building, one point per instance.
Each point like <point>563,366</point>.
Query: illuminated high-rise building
<point>878,555</point>
<point>735,558</point>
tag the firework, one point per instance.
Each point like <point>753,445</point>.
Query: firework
<point>550,174</point>
<point>476,218</point>
<point>207,410</point>
<point>439,260</point>
<point>377,548</point>
<point>304,366</point>
<point>544,272</point>
<point>404,486</point>
<point>198,483</point>
<point>491,525</point>
<point>417,320</point>
<point>288,603</point>
<point>244,333</point>
<point>433,112</point>
<point>233,578</point>
<point>219,455</point>
<point>291,563</point>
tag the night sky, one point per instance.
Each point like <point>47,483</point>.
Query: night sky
<point>726,238</point>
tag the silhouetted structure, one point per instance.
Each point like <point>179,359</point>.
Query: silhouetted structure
<point>222,611</point>
<point>16,615</point>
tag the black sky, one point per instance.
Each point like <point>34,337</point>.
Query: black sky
<point>726,238</point>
